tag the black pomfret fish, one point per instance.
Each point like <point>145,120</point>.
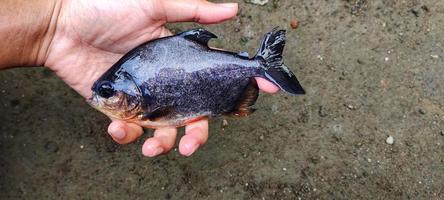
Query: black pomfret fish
<point>176,80</point>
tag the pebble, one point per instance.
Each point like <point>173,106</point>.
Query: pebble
<point>442,132</point>
<point>390,140</point>
<point>434,56</point>
<point>224,124</point>
<point>257,2</point>
<point>337,128</point>
<point>294,24</point>
<point>351,107</point>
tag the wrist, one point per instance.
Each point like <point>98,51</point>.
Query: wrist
<point>28,28</point>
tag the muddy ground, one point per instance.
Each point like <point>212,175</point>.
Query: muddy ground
<point>372,69</point>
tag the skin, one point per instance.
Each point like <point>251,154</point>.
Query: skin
<point>80,39</point>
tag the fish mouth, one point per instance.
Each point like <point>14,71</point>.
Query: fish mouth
<point>117,110</point>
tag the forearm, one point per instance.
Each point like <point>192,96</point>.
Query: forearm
<point>26,29</point>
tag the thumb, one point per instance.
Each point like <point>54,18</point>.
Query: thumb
<point>195,10</point>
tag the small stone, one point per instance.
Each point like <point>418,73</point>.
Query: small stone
<point>338,132</point>
<point>421,111</point>
<point>390,140</point>
<point>386,59</point>
<point>257,2</point>
<point>337,128</point>
<point>369,160</point>
<point>351,107</point>
<point>442,132</point>
<point>261,137</point>
<point>224,124</point>
<point>285,169</point>
<point>434,56</point>
<point>81,146</point>
<point>294,24</point>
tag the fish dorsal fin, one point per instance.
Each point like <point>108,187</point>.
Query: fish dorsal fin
<point>248,98</point>
<point>198,35</point>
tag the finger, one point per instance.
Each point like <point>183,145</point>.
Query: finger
<point>124,133</point>
<point>195,10</point>
<point>266,85</point>
<point>162,142</point>
<point>196,134</point>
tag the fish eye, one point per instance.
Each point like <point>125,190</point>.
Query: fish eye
<point>105,89</point>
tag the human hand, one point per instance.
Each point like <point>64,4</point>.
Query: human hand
<point>90,36</point>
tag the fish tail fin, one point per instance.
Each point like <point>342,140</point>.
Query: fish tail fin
<point>270,56</point>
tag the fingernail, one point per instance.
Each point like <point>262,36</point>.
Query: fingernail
<point>228,5</point>
<point>191,149</point>
<point>118,135</point>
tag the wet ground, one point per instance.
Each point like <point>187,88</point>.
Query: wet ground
<point>372,69</point>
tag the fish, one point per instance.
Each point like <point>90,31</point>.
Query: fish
<point>176,80</point>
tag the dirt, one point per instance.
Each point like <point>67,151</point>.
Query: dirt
<point>372,69</point>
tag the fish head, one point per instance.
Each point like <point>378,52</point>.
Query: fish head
<point>117,96</point>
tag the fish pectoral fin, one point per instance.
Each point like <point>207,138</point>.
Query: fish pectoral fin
<point>248,98</point>
<point>198,35</point>
<point>156,114</point>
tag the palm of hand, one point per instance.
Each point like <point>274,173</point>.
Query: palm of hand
<point>92,35</point>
